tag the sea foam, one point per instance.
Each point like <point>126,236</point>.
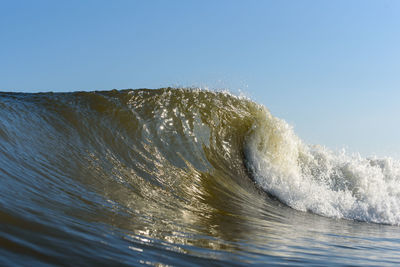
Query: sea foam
<point>316,179</point>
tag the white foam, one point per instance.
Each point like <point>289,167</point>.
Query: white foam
<point>313,178</point>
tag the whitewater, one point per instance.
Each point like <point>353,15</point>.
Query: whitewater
<point>313,178</point>
<point>183,177</point>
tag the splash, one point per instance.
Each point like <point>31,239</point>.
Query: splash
<point>315,179</point>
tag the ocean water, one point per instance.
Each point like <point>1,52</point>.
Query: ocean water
<point>183,177</point>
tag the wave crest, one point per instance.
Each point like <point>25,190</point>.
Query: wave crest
<point>315,179</point>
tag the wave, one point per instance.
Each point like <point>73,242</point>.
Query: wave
<point>173,167</point>
<point>156,132</point>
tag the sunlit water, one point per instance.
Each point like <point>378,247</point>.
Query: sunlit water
<point>183,177</point>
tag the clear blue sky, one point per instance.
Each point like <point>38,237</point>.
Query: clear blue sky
<point>330,68</point>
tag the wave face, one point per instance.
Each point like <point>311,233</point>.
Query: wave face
<point>173,176</point>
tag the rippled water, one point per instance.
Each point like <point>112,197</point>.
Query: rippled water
<point>183,177</point>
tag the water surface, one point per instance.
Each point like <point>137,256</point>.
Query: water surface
<point>183,177</point>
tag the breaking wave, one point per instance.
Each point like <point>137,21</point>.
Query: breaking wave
<point>166,168</point>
